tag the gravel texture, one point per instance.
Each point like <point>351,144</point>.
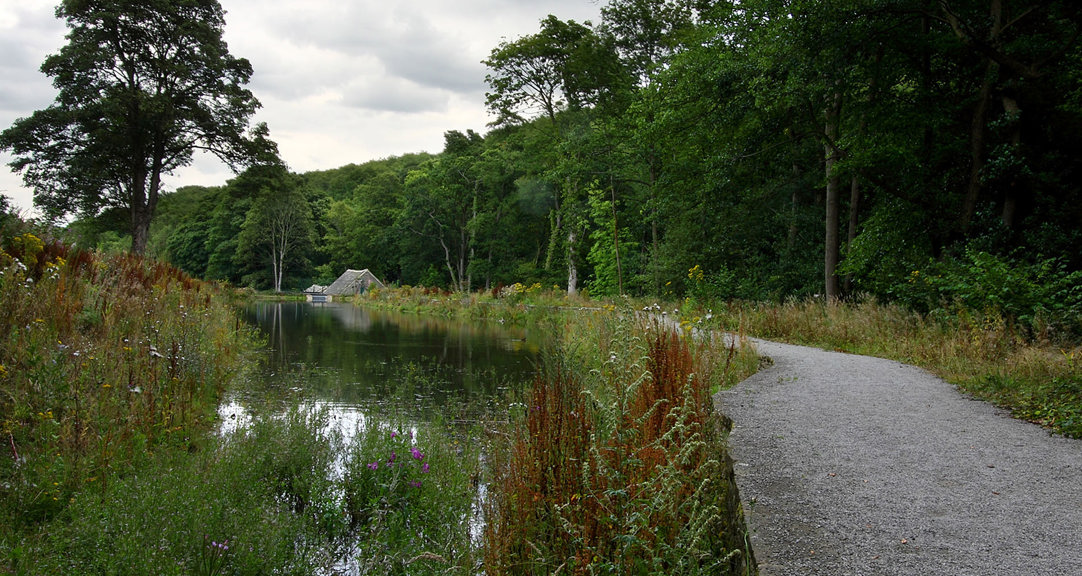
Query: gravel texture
<point>850,465</point>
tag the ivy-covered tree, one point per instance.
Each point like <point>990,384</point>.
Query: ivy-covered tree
<point>142,85</point>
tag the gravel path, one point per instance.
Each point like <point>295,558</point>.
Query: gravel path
<point>850,465</point>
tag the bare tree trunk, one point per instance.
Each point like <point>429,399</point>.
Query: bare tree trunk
<point>572,270</point>
<point>976,147</point>
<point>1010,196</point>
<point>832,246</point>
<point>450,265</point>
<point>794,202</point>
<point>854,223</point>
<point>140,212</point>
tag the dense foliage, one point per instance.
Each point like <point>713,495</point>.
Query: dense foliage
<point>920,152</point>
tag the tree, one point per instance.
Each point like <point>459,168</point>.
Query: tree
<point>442,203</point>
<point>647,32</point>
<point>277,227</point>
<point>142,85</point>
<point>562,74</point>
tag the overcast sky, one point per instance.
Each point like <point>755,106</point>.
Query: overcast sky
<point>341,81</point>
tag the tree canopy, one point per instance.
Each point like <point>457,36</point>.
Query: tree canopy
<point>141,86</point>
<point>905,150</point>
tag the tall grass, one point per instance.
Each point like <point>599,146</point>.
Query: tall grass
<point>516,303</point>
<point>618,464</point>
<point>111,371</point>
<point>103,361</point>
<point>112,368</point>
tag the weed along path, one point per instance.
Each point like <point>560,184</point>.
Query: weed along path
<point>850,465</point>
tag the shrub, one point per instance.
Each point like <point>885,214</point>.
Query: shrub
<point>617,468</point>
<point>104,361</point>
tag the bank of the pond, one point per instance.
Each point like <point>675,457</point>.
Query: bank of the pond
<point>111,367</point>
<point>116,365</point>
<point>619,460</point>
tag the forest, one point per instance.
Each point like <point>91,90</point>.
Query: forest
<point>914,151</point>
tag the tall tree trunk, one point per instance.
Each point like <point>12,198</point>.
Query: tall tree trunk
<point>276,267</point>
<point>140,228</point>
<point>794,203</point>
<point>572,270</point>
<point>140,212</point>
<point>854,223</point>
<point>976,147</point>
<point>1010,195</point>
<point>831,243</point>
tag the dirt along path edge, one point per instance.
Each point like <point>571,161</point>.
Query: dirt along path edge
<point>852,465</point>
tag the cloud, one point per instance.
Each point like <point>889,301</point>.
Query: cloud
<point>28,33</point>
<point>341,81</point>
<point>395,95</point>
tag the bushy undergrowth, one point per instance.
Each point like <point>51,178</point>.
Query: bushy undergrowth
<point>985,354</point>
<point>1042,300</point>
<point>617,464</point>
<point>513,303</point>
<point>103,361</point>
<point>285,494</point>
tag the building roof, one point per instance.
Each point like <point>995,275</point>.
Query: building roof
<point>353,282</point>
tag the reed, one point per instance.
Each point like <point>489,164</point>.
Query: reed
<point>618,464</point>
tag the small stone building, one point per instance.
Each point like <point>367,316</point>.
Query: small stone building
<point>350,283</point>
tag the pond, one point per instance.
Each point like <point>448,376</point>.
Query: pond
<point>356,360</point>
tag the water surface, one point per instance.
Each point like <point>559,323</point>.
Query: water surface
<point>356,360</point>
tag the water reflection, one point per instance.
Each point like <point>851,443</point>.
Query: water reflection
<point>354,359</point>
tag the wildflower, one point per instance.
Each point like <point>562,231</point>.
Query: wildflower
<point>373,465</point>
<point>416,453</point>
<point>415,483</point>
<point>393,456</point>
<point>424,468</point>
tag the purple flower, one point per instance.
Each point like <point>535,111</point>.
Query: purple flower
<point>373,465</point>
<point>394,434</point>
<point>416,453</point>
<point>415,483</point>
<point>393,456</point>
<point>424,468</point>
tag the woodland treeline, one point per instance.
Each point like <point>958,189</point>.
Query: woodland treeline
<point>914,150</point>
